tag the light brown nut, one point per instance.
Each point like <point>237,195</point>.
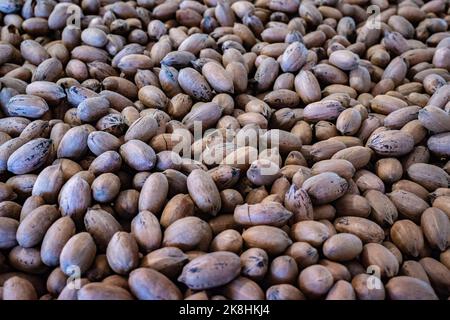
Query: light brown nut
<point>408,237</point>
<point>435,226</point>
<point>188,233</point>
<point>312,232</point>
<point>204,192</point>
<point>101,225</point>
<point>342,247</point>
<point>271,239</point>
<point>33,227</point>
<point>391,143</point>
<point>269,213</point>
<point>78,252</point>
<point>409,288</point>
<point>30,156</point>
<point>122,252</point>
<point>203,272</point>
<point>366,230</point>
<point>149,284</point>
<point>315,281</point>
<point>325,187</point>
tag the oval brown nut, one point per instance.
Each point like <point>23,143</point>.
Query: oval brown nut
<point>412,187</point>
<point>412,268</point>
<point>33,227</point>
<point>93,109</point>
<point>441,199</point>
<point>401,117</point>
<point>206,115</point>
<point>153,97</point>
<point>436,228</point>
<point>243,288</point>
<point>315,281</point>
<point>26,260</point>
<point>217,77</point>
<point>29,157</point>
<point>74,204</point>
<point>284,292</point>
<point>266,73</point>
<point>342,290</point>
<point>312,232</point>
<point>169,261</point>
<point>284,140</point>
<point>439,144</point>
<point>438,274</point>
<point>358,156</point>
<point>434,119</point>
<point>103,291</point>
<point>385,104</point>
<point>342,247</point>
<point>33,51</point>
<point>100,142</point>
<point>391,143</point>
<point>389,170</point>
<point>227,240</point>
<point>180,206</point>
<point>263,172</point>
<point>18,288</point>
<point>352,205</point>
<point>383,210</point>
<point>107,162</point>
<point>325,110</point>
<point>429,176</point>
<point>28,106</point>
<point>339,271</point>
<point>204,192</point>
<point>349,121</point>
<point>194,84</point>
<point>294,57</point>
<point>153,194</point>
<point>307,87</point>
<point>138,155</point>
<point>366,230</point>
<point>54,240</point>
<point>366,180</point>
<point>73,144</point>
<point>344,59</point>
<point>408,237</point>
<point>408,204</point>
<point>149,284</point>
<point>48,183</point>
<point>341,167</point>
<point>105,187</point>
<point>368,287</point>
<point>299,203</point>
<point>122,252</point>
<point>323,150</point>
<point>78,254</point>
<point>325,187</point>
<point>269,213</point>
<point>10,209</point>
<point>409,288</point>
<point>146,230</point>
<point>255,263</point>
<point>271,239</point>
<point>144,128</point>
<point>211,270</point>
<point>8,229</point>
<point>375,254</point>
<point>189,233</point>
<point>101,225</point>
